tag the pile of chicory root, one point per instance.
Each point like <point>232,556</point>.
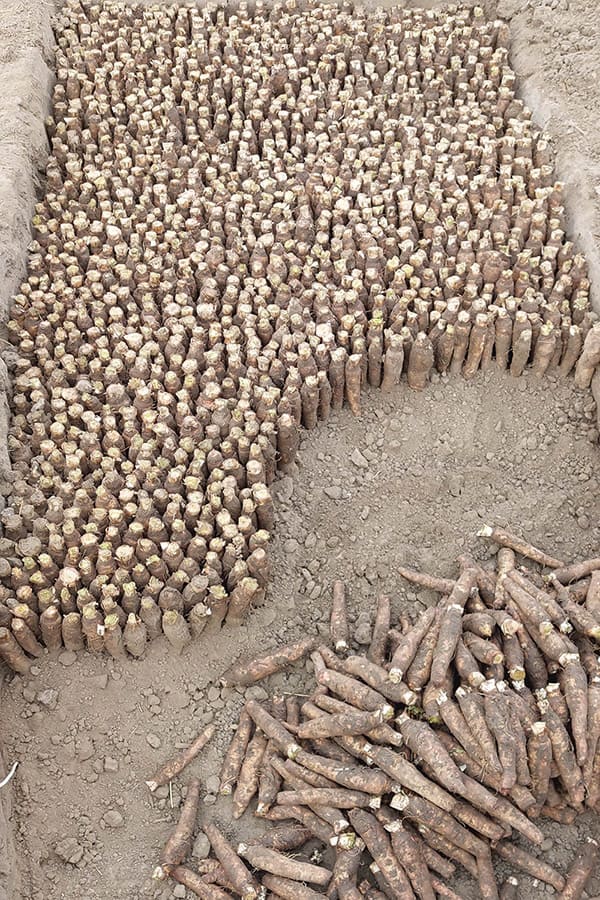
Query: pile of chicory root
<point>453,734</point>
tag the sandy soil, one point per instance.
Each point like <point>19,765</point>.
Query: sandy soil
<point>437,466</point>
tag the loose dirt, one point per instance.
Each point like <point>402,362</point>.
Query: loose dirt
<point>415,473</point>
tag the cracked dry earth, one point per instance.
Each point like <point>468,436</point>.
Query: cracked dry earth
<point>411,481</point>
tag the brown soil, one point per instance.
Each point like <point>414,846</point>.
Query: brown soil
<point>432,468</point>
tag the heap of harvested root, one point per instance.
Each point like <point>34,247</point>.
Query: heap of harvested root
<point>451,735</point>
<point>249,216</point>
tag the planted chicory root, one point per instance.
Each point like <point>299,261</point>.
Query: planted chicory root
<point>217,268</point>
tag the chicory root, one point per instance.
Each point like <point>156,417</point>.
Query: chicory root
<point>451,625</point>
<point>423,812</point>
<point>481,624</point>
<point>243,881</point>
<point>295,774</point>
<point>393,363</point>
<point>535,666</point>
<point>263,666</point>
<point>113,637</point>
<point>467,667</point>
<point>567,574</point>
<point>288,889</point>
<point>26,638</point>
<point>584,621</point>
<point>574,684</point>
<point>179,842</point>
<point>484,651</point>
<point>477,341</point>
<point>247,782</point>
<point>338,626</point>
<point>589,359</point>
<point>408,849</point>
<point>353,377</point>
<point>277,863</point>
<point>420,362</point>
<point>12,653</point>
<point>377,678</point>
<point>345,871</point>
<point>332,750</point>
<point>273,728</point>
<point>379,846</point>
<point>72,633</point>
<point>358,778</point>
<point>563,754</point>
<point>51,628</point>
<point>554,611</point>
<point>234,757</point>
<point>241,599</point>
<point>537,868</point>
<point>317,826</point>
<point>422,740</point>
<point>442,890</point>
<point>498,720</point>
<point>344,723</point>
<point>485,876</point>
<point>436,862</point>
<point>592,597</point>
<point>430,582</point>
<point>351,690</point>
<point>507,625</point>
<point>521,348</point>
<point>196,884</point>
<point>285,838</point>
<point>404,773</point>
<point>442,845</point>
<point>593,727</point>
<point>581,871</point>
<point>408,645</point>
<point>501,809</point>
<point>340,798</point>
<point>539,754</point>
<point>381,626</point>
<point>135,635</point>
<point>178,763</point>
<point>382,734</point>
<point>455,722</point>
<point>462,330</point>
<point>514,658</point>
<point>508,539</point>
<point>473,709</point>
<point>419,670</point>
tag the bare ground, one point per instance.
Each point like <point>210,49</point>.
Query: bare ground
<point>437,466</point>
